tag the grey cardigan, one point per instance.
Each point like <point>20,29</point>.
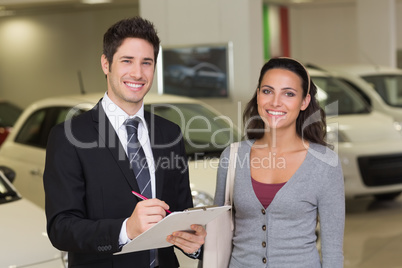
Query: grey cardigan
<point>283,235</point>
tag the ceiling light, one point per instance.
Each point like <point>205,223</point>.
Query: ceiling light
<point>301,1</point>
<point>4,13</point>
<point>96,1</point>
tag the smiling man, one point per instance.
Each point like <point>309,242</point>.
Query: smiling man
<point>131,73</point>
<point>91,211</point>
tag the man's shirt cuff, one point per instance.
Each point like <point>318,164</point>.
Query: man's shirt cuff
<point>123,237</point>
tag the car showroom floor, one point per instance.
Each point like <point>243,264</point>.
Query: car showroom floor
<point>373,234</point>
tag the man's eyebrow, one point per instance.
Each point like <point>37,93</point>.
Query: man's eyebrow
<point>127,57</point>
<point>149,59</point>
<point>131,57</point>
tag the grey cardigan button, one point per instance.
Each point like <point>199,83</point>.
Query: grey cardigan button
<point>264,227</point>
<point>264,244</point>
<point>264,260</point>
<point>263,211</point>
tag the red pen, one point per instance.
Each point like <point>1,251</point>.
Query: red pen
<point>140,196</point>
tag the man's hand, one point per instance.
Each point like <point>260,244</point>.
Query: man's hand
<point>146,214</point>
<point>189,242</point>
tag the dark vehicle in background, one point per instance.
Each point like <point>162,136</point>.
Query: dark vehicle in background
<point>203,75</point>
<point>9,114</point>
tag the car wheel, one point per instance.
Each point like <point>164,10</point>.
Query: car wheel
<point>387,197</point>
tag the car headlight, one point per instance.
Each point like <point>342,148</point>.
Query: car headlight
<point>201,199</point>
<point>398,126</point>
<point>64,258</point>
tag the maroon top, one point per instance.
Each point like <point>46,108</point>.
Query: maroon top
<point>266,192</point>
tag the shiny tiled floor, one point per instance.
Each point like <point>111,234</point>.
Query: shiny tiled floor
<point>373,235</point>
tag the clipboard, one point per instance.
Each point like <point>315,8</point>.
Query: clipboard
<point>155,237</point>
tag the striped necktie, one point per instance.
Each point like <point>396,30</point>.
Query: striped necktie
<point>138,163</point>
<point>137,158</point>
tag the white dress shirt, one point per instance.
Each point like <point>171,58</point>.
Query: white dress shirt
<point>117,117</point>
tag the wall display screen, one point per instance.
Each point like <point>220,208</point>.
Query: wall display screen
<point>196,71</point>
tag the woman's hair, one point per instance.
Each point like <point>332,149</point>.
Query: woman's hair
<point>310,124</point>
<point>135,27</point>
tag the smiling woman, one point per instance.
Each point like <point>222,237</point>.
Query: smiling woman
<point>280,98</point>
<point>287,176</point>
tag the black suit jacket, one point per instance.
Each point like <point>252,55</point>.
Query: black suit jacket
<point>88,183</point>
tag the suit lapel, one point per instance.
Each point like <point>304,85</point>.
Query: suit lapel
<point>109,139</point>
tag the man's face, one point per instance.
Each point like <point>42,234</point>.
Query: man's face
<point>131,74</point>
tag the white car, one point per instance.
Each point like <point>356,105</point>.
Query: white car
<point>368,143</point>
<point>206,134</point>
<point>24,241</point>
<point>380,86</point>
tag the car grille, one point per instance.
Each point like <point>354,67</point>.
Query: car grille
<point>381,170</point>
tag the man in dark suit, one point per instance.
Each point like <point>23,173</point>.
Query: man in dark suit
<point>91,211</point>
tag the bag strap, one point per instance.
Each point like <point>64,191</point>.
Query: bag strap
<point>231,174</point>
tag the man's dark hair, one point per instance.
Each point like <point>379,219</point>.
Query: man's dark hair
<point>135,27</point>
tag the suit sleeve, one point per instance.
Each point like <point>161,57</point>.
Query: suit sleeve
<point>68,225</point>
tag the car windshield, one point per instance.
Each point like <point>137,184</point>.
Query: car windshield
<point>7,192</point>
<point>338,98</point>
<point>205,133</point>
<point>389,87</point>
<point>9,113</point>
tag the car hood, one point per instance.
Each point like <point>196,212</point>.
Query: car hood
<point>362,128</point>
<point>203,175</point>
<point>23,235</point>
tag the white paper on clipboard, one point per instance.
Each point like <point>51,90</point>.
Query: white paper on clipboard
<point>155,237</point>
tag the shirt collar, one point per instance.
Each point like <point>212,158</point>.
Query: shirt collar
<point>117,116</point>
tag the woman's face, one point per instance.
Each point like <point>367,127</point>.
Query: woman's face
<point>280,99</point>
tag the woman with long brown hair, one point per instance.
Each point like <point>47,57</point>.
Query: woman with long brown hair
<point>286,175</point>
